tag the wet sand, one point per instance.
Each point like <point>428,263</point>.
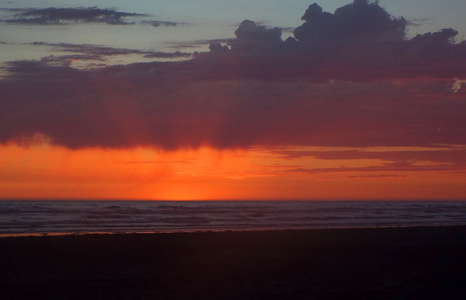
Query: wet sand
<point>378,263</point>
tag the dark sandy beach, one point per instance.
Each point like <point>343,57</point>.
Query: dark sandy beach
<point>390,263</point>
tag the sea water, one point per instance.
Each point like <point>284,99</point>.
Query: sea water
<point>77,217</point>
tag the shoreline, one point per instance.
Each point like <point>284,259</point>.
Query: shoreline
<point>363,263</point>
<point>51,218</point>
<point>219,230</point>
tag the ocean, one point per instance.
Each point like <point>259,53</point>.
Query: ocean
<point>82,217</point>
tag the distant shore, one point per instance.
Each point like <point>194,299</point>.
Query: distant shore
<point>365,263</point>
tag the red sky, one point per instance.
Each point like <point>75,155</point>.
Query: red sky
<point>350,108</point>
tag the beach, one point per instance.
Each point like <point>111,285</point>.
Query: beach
<point>357,263</point>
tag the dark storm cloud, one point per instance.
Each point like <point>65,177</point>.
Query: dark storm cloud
<point>62,16</point>
<point>351,88</point>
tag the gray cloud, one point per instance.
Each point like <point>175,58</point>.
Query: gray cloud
<point>162,23</point>
<point>182,105</point>
<point>176,54</point>
<point>360,40</point>
<point>63,16</point>
<point>360,20</point>
<point>199,43</point>
<point>53,15</point>
<point>444,36</point>
<point>255,38</point>
<point>96,52</point>
<point>89,49</point>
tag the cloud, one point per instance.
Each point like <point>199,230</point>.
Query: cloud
<point>255,38</point>
<point>359,21</point>
<point>391,168</point>
<point>172,105</point>
<point>64,16</point>
<point>97,53</point>
<point>67,60</point>
<point>359,41</point>
<point>187,161</point>
<point>458,85</point>
<point>445,36</point>
<point>439,159</point>
<point>445,154</point>
<point>388,167</point>
<point>88,49</point>
<point>200,43</point>
<point>354,88</point>
<point>156,23</point>
<point>176,54</point>
<point>59,16</point>
<point>383,177</point>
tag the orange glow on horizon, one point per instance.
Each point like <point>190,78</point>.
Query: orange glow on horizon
<point>49,172</point>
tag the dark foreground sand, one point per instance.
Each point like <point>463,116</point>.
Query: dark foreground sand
<point>397,263</point>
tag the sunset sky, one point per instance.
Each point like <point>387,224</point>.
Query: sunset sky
<point>222,99</point>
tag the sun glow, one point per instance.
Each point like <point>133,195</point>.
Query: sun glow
<point>49,172</point>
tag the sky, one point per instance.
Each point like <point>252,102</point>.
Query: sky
<point>233,100</point>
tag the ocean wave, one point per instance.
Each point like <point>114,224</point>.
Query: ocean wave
<point>127,216</point>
